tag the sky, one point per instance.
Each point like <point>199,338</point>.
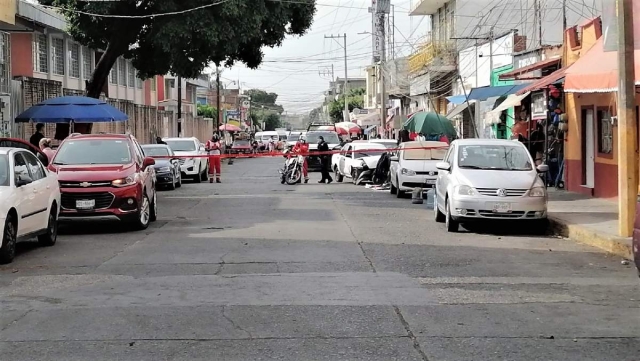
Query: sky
<point>293,70</point>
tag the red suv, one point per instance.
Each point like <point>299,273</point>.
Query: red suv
<point>105,177</point>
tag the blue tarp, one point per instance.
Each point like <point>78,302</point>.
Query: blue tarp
<point>484,93</point>
<point>72,109</point>
<point>456,99</point>
<point>369,129</point>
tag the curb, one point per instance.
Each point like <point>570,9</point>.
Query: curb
<point>618,246</point>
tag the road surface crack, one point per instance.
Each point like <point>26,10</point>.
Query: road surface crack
<point>405,324</point>
<point>235,325</point>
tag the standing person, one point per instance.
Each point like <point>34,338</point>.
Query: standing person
<point>324,161</point>
<point>37,136</point>
<point>302,147</point>
<point>213,146</point>
<point>45,147</point>
<point>421,137</point>
<point>160,141</point>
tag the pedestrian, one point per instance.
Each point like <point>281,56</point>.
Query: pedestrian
<point>302,148</point>
<point>45,147</point>
<point>213,147</point>
<point>160,141</point>
<point>272,145</point>
<point>325,159</point>
<point>421,137</point>
<point>37,136</point>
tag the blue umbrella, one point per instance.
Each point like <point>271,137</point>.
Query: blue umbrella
<point>72,109</point>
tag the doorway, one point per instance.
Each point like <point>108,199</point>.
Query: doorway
<point>588,148</point>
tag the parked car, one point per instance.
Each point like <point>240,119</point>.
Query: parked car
<point>192,157</point>
<point>357,161</point>
<point>30,201</point>
<point>388,143</point>
<point>106,177</point>
<point>167,165</point>
<point>241,146</point>
<point>312,138</point>
<point>415,166</point>
<point>482,179</point>
<point>23,144</point>
<point>293,138</point>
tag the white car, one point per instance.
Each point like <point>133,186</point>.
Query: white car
<point>414,166</point>
<point>355,158</point>
<point>482,179</point>
<point>194,162</point>
<point>30,201</point>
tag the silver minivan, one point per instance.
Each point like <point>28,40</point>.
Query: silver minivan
<point>483,179</point>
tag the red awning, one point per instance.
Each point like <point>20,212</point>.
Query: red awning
<point>597,71</point>
<point>531,68</point>
<point>544,82</point>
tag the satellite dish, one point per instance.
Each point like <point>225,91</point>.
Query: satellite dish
<point>356,111</point>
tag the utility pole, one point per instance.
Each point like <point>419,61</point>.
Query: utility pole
<point>217,100</point>
<point>179,105</point>
<point>383,60</point>
<point>564,17</point>
<point>627,128</point>
<point>490,57</point>
<point>346,76</point>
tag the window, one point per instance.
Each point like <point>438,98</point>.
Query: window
<point>40,63</point>
<point>132,75</point>
<point>153,84</point>
<point>138,83</point>
<point>74,57</point>
<point>113,74</point>
<point>19,167</point>
<point>94,151</point>
<point>182,145</point>
<point>605,131</point>
<point>169,84</point>
<point>35,168</point>
<point>4,171</point>
<point>494,157</point>
<point>86,63</point>
<point>122,75</point>
<point>57,47</point>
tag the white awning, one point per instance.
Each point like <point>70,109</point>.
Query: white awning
<point>459,109</point>
<point>511,101</point>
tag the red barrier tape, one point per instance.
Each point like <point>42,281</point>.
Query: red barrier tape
<point>312,153</point>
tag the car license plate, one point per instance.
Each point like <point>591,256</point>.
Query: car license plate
<point>86,204</point>
<point>502,208</point>
<point>431,181</point>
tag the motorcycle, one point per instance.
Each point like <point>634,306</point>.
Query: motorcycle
<point>291,172</point>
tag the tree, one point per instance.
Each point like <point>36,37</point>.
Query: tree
<point>271,122</point>
<point>315,114</point>
<point>355,100</point>
<point>183,44</point>
<point>260,98</point>
<point>207,111</point>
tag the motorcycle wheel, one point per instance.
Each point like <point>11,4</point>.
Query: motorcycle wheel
<point>293,176</point>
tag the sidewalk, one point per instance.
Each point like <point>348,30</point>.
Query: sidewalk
<point>592,221</point>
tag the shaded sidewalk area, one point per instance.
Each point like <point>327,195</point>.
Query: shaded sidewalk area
<point>592,221</point>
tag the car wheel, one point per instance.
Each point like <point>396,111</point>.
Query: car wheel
<point>399,193</point>
<point>49,239</point>
<point>172,186</point>
<point>205,175</point>
<point>439,216</point>
<point>8,249</point>
<point>393,189</point>
<point>452,224</point>
<point>198,176</point>
<point>354,176</point>
<point>153,214</point>
<point>339,177</point>
<point>179,181</point>
<point>143,216</point>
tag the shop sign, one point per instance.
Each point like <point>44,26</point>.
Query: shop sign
<point>538,106</point>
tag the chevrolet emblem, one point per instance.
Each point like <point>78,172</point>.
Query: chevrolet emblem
<point>85,184</point>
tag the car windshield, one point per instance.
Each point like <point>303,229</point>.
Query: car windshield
<point>293,138</point>
<point>241,143</point>
<point>4,170</point>
<point>494,157</point>
<point>369,150</point>
<point>156,151</point>
<point>388,145</point>
<point>424,154</point>
<point>329,137</point>
<point>93,151</point>
<point>182,145</point>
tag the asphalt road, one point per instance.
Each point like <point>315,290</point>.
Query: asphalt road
<point>254,270</point>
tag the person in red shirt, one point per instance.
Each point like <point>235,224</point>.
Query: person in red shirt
<point>302,147</point>
<point>213,147</point>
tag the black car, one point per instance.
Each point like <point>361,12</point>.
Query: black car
<point>167,165</point>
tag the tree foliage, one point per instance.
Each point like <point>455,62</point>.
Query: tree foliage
<point>260,99</point>
<point>315,115</point>
<point>272,121</point>
<point>207,111</point>
<point>183,44</point>
<point>354,100</point>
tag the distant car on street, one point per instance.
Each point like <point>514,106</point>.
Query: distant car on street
<point>483,179</point>
<point>414,166</point>
<point>356,160</point>
<point>167,167</point>
<point>312,138</point>
<point>241,146</point>
<point>192,157</point>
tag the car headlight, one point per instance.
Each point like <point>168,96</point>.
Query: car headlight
<point>361,163</point>
<point>164,170</point>
<point>466,191</point>
<point>124,182</point>
<point>409,172</point>
<point>537,192</point>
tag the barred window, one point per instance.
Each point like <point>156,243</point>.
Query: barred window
<point>153,84</point>
<point>122,75</point>
<point>40,58</point>
<point>86,63</point>
<point>57,55</point>
<point>132,75</point>
<point>113,74</point>
<point>74,64</point>
<point>138,83</point>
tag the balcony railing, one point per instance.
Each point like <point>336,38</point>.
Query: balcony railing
<point>430,53</point>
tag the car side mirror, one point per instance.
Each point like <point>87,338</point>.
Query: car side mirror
<point>23,180</point>
<point>542,168</point>
<point>147,162</point>
<point>443,166</point>
<point>394,158</point>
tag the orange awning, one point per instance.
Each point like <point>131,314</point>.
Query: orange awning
<point>544,82</point>
<point>596,71</point>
